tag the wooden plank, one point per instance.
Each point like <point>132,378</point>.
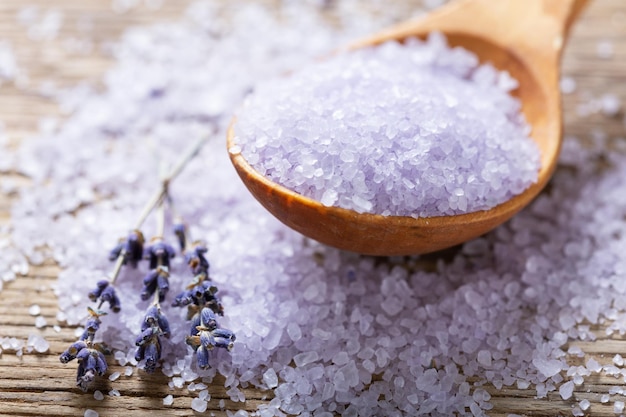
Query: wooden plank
<point>38,384</point>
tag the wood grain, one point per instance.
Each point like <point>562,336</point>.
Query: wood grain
<point>38,384</point>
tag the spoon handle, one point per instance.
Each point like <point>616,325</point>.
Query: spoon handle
<point>531,28</point>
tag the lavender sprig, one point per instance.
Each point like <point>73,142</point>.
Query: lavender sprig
<point>128,251</point>
<point>156,283</point>
<point>202,303</point>
<point>90,357</point>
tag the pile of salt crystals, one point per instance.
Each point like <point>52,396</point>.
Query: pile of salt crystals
<point>327,331</point>
<point>415,129</point>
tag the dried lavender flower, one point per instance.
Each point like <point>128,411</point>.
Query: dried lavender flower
<point>92,325</point>
<point>154,317</point>
<point>157,278</point>
<point>148,342</point>
<point>196,260</point>
<point>180,232</point>
<point>131,249</point>
<point>207,335</point>
<point>72,351</point>
<point>105,292</point>
<point>198,296</point>
<point>159,253</point>
<point>90,362</point>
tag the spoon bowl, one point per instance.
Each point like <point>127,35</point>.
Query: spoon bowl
<point>523,37</point>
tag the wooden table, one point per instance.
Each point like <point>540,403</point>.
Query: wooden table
<point>38,384</point>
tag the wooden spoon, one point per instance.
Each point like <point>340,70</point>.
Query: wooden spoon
<point>523,37</point>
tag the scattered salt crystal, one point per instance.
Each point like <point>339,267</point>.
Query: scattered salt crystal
<point>605,398</point>
<point>34,310</point>
<point>548,367</point>
<point>8,65</point>
<point>90,413</point>
<point>98,395</point>
<point>270,378</point>
<point>56,328</point>
<point>199,405</point>
<point>576,411</point>
<point>114,393</point>
<point>593,365</point>
<point>38,343</point>
<point>40,322</point>
<point>168,400</point>
<point>618,407</point>
<point>128,371</point>
<point>584,404</point>
<point>575,351</point>
<point>305,358</point>
<point>568,85</point>
<point>178,382</point>
<point>566,390</point>
<point>114,376</point>
<point>484,358</point>
<point>204,395</point>
<point>610,104</point>
<point>188,375</point>
<point>604,49</point>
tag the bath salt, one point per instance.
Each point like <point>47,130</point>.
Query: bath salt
<point>415,129</point>
<point>491,314</point>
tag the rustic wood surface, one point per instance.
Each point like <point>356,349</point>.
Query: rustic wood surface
<point>38,384</point>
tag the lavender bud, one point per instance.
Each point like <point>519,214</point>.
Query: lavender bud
<point>224,338</point>
<point>180,230</point>
<point>183,299</point>
<point>109,296</point>
<point>131,249</point>
<point>208,319</point>
<point>202,357</point>
<point>100,286</point>
<point>152,354</point>
<point>145,336</point>
<point>91,327</point>
<point>159,253</point>
<point>157,278</point>
<point>72,351</point>
<point>196,260</point>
